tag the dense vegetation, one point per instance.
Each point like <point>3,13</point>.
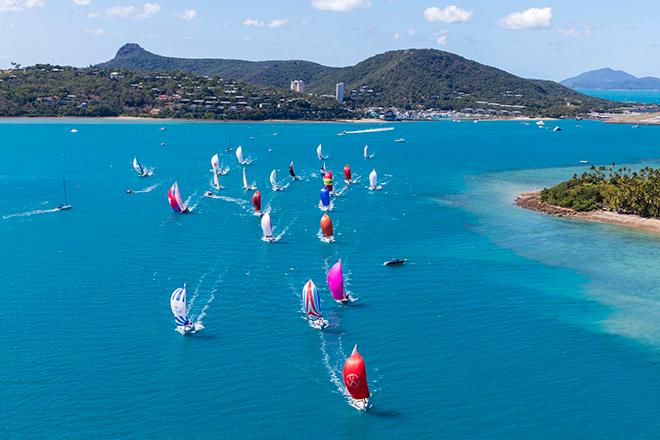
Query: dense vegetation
<point>46,90</point>
<point>406,79</point>
<point>621,190</point>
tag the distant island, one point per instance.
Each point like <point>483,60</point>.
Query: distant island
<point>408,84</point>
<point>608,79</point>
<point>612,195</point>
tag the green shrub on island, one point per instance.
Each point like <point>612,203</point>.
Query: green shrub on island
<point>609,188</point>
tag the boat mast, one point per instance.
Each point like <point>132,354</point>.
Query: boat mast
<point>64,185</point>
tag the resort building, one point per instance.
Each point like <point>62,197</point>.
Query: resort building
<point>339,92</point>
<point>298,85</point>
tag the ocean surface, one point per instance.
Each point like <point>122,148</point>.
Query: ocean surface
<point>504,323</point>
<point>642,96</point>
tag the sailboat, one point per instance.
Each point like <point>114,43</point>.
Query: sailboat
<point>215,165</point>
<point>355,379</point>
<point>246,186</point>
<point>65,206</point>
<point>273,181</point>
<point>366,151</point>
<point>216,180</point>
<point>336,284</point>
<point>139,169</point>
<point>174,197</point>
<point>239,155</point>
<point>347,174</point>
<point>326,229</point>
<point>323,169</point>
<point>312,303</point>
<point>256,201</point>
<point>325,204</point>
<point>180,311</point>
<point>292,172</point>
<point>373,180</point>
<point>267,229</point>
<point>327,180</point>
<point>319,152</point>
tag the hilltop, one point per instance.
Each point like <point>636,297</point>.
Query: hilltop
<point>609,79</point>
<point>407,79</point>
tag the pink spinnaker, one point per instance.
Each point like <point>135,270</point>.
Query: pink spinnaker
<point>336,281</point>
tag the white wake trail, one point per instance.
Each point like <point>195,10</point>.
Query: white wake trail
<point>30,213</point>
<point>148,189</point>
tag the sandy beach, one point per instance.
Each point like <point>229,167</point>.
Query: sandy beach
<point>532,201</point>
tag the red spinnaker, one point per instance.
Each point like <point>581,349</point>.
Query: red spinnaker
<point>326,225</point>
<point>256,201</point>
<point>355,376</point>
<point>347,172</point>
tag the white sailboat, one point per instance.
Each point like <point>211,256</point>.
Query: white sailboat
<point>65,206</point>
<point>319,152</point>
<point>373,181</point>
<point>273,181</point>
<point>366,151</point>
<point>139,169</point>
<point>180,311</point>
<point>267,229</point>
<point>239,155</point>
<point>246,186</point>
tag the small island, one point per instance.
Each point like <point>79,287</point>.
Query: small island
<point>618,196</point>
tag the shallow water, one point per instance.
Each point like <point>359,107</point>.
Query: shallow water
<point>504,323</point>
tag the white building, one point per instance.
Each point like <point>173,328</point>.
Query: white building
<point>298,85</point>
<point>339,92</point>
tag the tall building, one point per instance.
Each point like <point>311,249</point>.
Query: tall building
<point>298,85</point>
<point>339,92</point>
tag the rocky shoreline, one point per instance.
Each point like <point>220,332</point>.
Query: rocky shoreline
<point>532,201</point>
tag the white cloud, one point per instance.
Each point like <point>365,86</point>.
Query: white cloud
<point>188,14</point>
<point>82,2</point>
<point>147,10</point>
<point>449,14</point>
<point>575,31</point>
<point>278,22</point>
<point>19,5</point>
<point>340,5</point>
<point>533,18</point>
<point>441,40</point>
<point>412,32</point>
<point>396,36</point>
<point>275,23</point>
<point>95,31</point>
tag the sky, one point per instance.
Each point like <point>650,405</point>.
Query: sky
<point>552,39</point>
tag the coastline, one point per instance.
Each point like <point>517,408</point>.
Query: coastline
<point>532,201</point>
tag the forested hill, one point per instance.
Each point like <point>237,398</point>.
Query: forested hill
<point>413,78</point>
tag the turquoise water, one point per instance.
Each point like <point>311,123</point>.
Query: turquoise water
<point>642,96</point>
<point>504,324</point>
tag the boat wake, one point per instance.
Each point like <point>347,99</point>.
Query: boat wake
<point>199,325</point>
<point>147,189</point>
<point>334,369</point>
<point>330,207</point>
<point>369,130</point>
<point>325,239</point>
<point>30,213</point>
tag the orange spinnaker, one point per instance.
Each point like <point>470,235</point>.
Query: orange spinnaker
<point>326,225</point>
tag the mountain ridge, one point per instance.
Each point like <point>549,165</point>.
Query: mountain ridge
<point>408,78</point>
<point>610,79</point>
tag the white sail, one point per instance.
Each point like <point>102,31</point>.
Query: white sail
<point>265,226</point>
<point>319,152</point>
<point>216,181</point>
<point>137,167</point>
<point>366,151</point>
<point>273,178</point>
<point>179,307</point>
<point>239,155</point>
<point>245,182</point>
<point>215,163</point>
<point>373,179</point>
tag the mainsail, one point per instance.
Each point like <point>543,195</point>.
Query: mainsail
<point>291,170</point>
<point>311,301</point>
<point>239,155</point>
<point>137,167</point>
<point>366,151</point>
<point>336,282</point>
<point>319,152</point>
<point>216,180</point>
<point>179,307</point>
<point>245,181</point>
<point>273,179</point>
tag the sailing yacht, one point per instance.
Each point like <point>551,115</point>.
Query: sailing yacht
<point>65,206</point>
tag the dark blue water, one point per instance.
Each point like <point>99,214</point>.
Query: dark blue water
<point>504,323</point>
<point>641,96</point>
